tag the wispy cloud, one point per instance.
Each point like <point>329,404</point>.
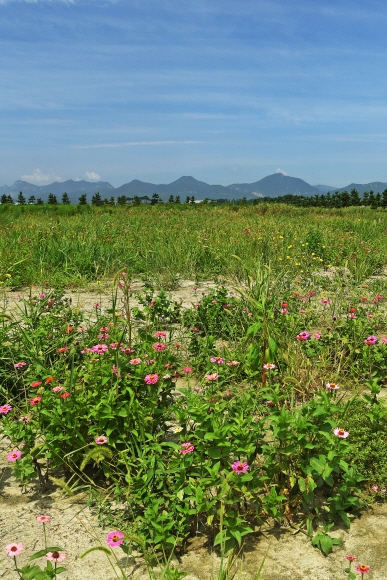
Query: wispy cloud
<point>92,176</point>
<point>40,178</point>
<point>279,170</point>
<point>134,144</point>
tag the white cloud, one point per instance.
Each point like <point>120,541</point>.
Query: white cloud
<point>279,170</point>
<point>92,176</point>
<point>40,178</point>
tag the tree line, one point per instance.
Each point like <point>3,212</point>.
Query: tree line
<point>95,200</point>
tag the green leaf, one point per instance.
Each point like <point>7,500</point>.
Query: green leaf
<point>97,549</point>
<point>44,552</point>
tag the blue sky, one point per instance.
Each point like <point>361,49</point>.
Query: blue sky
<point>227,91</point>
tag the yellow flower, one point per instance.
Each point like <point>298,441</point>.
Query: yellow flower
<point>8,275</point>
<point>298,264</point>
<point>288,257</point>
<point>281,237</point>
<point>290,246</point>
<point>280,258</point>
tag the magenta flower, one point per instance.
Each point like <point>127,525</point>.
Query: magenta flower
<point>35,401</point>
<point>19,365</point>
<point>371,340</point>
<point>127,350</point>
<point>240,467</point>
<point>115,539</point>
<point>363,569</point>
<point>135,361</point>
<point>14,455</point>
<point>325,302</point>
<point>13,549</point>
<point>212,377</point>
<point>317,335</point>
<point>101,439</point>
<point>384,340</point>
<point>304,335</point>
<point>56,556</point>
<point>350,558</point>
<point>341,433</point>
<point>160,334</point>
<point>99,348</point>
<point>151,379</point>
<point>375,488</point>
<point>269,366</point>
<point>43,519</point>
<point>186,448</point>
<point>187,370</point>
<point>159,346</point>
<point>217,359</point>
<point>57,389</point>
<point>5,409</point>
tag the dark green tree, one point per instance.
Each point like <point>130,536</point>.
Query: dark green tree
<point>97,199</point>
<point>171,199</point>
<point>39,201</point>
<point>83,199</point>
<point>177,200</point>
<point>4,198</point>
<point>31,200</point>
<point>384,198</point>
<point>155,199</point>
<point>21,200</point>
<point>52,200</point>
<point>136,200</point>
<point>121,200</point>
<point>192,199</point>
<point>65,199</point>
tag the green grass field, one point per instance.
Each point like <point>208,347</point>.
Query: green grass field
<point>75,246</point>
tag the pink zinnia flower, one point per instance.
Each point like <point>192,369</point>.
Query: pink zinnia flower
<point>363,569</point>
<point>5,409</point>
<point>35,401</point>
<point>187,369</point>
<point>340,433</point>
<point>332,386</point>
<point>352,315</point>
<point>135,361</point>
<point>99,348</point>
<point>63,349</point>
<point>217,359</point>
<point>104,329</point>
<point>186,448</point>
<point>127,350</point>
<point>24,419</point>
<point>151,379</point>
<point>159,346</point>
<point>19,365</point>
<point>13,549</point>
<point>375,488</point>
<point>350,558</point>
<point>233,363</point>
<point>304,335</point>
<point>269,366</point>
<point>371,340</point>
<point>86,350</point>
<point>115,539</point>
<point>113,345</point>
<point>317,335</point>
<point>160,334</point>
<point>384,340</point>
<point>65,395</point>
<point>57,389</point>
<point>284,311</point>
<point>240,467</point>
<point>56,556</point>
<point>325,302</point>
<point>43,519</point>
<point>101,439</point>
<point>212,377</point>
<point>14,455</point>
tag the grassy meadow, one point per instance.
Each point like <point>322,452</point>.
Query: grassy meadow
<point>261,406</point>
<point>78,245</point>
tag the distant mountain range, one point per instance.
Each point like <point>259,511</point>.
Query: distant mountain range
<point>271,186</point>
